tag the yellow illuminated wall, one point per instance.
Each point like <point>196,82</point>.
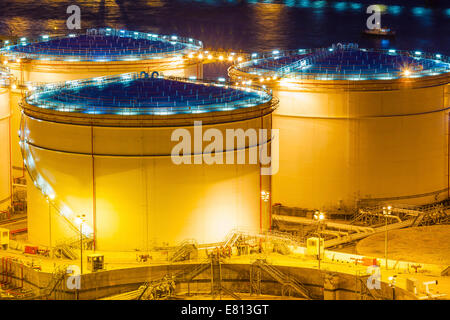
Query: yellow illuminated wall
<point>5,181</point>
<point>340,144</point>
<point>140,201</point>
<point>33,72</point>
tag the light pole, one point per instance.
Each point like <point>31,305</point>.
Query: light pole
<point>80,220</point>
<point>392,282</point>
<point>319,217</point>
<point>386,212</point>
<point>265,197</point>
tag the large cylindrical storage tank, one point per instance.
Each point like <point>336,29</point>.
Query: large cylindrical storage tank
<point>357,126</point>
<point>104,148</point>
<point>5,147</point>
<point>98,52</point>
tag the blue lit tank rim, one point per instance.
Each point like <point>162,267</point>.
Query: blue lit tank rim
<point>345,62</point>
<point>140,96</point>
<point>101,45</point>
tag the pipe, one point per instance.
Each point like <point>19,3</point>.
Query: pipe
<point>7,275</point>
<point>10,160</point>
<point>21,276</point>
<point>94,195</point>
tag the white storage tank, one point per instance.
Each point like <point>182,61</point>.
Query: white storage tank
<point>103,148</point>
<point>357,126</point>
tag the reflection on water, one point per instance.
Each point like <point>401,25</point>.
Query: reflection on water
<point>245,25</point>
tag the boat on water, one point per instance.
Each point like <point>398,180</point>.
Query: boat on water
<point>380,32</point>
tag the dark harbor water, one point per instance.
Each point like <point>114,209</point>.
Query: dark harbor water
<point>252,25</point>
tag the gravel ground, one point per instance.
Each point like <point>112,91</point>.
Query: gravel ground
<point>420,244</point>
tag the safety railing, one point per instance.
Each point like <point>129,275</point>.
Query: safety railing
<point>35,97</point>
<point>435,64</point>
<point>175,46</point>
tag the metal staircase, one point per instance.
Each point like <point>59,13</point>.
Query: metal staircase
<point>217,287</point>
<point>68,248</point>
<point>231,238</point>
<point>287,282</point>
<point>193,272</point>
<point>185,251</point>
<point>131,295</point>
<point>230,293</point>
<point>64,250</point>
<point>58,276</point>
<point>216,277</point>
<point>436,213</point>
<point>364,292</point>
<point>433,214</point>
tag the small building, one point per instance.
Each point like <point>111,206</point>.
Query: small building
<point>315,245</point>
<point>4,238</point>
<point>96,262</point>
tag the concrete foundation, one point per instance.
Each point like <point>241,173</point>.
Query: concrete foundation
<point>235,277</point>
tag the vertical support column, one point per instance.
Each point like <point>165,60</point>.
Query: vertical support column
<point>94,195</point>
<point>5,152</point>
<point>3,270</point>
<point>261,202</point>
<point>21,275</point>
<point>49,224</point>
<point>448,154</point>
<point>11,179</point>
<point>330,287</point>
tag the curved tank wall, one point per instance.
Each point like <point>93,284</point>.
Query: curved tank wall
<point>5,179</point>
<point>348,142</point>
<point>118,171</point>
<point>50,59</point>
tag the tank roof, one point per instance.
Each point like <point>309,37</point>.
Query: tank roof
<point>346,62</point>
<point>102,45</point>
<point>141,94</point>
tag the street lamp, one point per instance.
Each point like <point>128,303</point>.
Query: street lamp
<point>319,217</point>
<point>392,282</point>
<point>80,219</point>
<point>265,196</point>
<point>386,212</point>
